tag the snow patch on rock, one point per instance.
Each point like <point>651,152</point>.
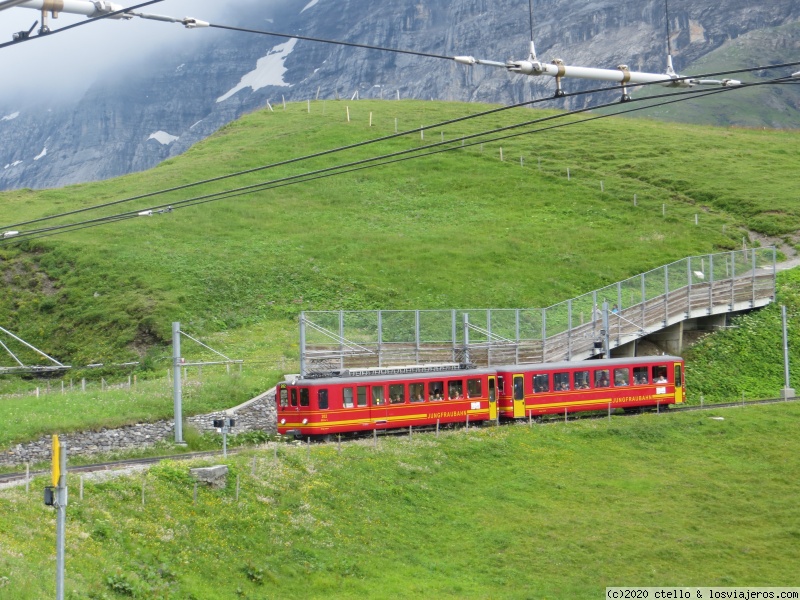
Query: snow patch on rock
<point>269,71</point>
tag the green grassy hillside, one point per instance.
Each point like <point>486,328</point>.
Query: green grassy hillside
<point>555,511</point>
<point>458,229</point>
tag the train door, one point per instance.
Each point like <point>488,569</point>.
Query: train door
<point>380,410</point>
<point>492,398</point>
<point>678,383</point>
<point>519,396</point>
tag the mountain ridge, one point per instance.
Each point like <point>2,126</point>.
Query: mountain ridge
<point>115,127</point>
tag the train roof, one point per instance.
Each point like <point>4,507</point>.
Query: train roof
<point>407,373</point>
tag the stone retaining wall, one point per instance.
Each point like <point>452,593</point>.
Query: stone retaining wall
<point>256,414</point>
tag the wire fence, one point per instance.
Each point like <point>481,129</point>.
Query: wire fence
<point>689,288</point>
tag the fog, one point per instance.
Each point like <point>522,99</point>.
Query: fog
<point>60,67</point>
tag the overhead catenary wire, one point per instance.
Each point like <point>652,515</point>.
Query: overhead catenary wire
<point>353,146</point>
<point>109,15</point>
<point>396,157</point>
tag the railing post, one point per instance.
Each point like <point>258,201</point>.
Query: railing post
<point>619,313</point>
<point>753,284</point>
<point>516,329</point>
<point>644,304</point>
<point>341,339</point>
<point>416,336</point>
<point>689,292</point>
<point>380,338</point>
<point>733,279</point>
<point>466,338</point>
<point>453,325</point>
<point>569,329</point>
<point>666,295</point>
<point>594,315</point>
<point>710,283</point>
<point>544,333</point>
<point>774,272</point>
<point>302,344</point>
<point>489,340</point>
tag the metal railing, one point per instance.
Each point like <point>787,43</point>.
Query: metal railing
<point>692,287</point>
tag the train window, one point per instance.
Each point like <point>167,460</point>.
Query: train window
<point>622,377</point>
<point>601,379</point>
<point>581,380</point>
<point>519,389</point>
<point>322,399</point>
<point>362,395</point>
<point>294,396</point>
<point>678,378</point>
<point>474,388</point>
<point>416,392</point>
<point>560,382</point>
<point>347,397</point>
<point>501,385</point>
<point>541,383</point>
<point>284,397</point>
<point>660,374</point>
<point>303,396</point>
<point>436,390</point>
<point>455,389</point>
<point>377,395</point>
<point>640,376</point>
<point>397,393</point>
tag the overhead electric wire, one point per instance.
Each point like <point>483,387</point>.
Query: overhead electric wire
<point>79,23</point>
<point>359,144</point>
<point>324,41</point>
<point>302,158</point>
<point>396,157</point>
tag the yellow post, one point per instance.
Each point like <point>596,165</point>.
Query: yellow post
<point>56,460</point>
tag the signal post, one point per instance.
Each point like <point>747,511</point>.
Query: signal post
<point>56,496</point>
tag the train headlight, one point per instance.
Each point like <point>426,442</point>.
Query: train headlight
<point>283,421</point>
<point>305,421</point>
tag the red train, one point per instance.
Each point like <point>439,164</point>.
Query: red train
<point>397,397</point>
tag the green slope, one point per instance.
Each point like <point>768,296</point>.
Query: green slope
<point>457,229</point>
<point>555,511</point>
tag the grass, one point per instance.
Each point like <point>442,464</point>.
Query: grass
<point>454,230</point>
<point>555,511</point>
<point>356,241</point>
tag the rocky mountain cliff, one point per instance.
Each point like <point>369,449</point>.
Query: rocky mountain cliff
<point>133,122</point>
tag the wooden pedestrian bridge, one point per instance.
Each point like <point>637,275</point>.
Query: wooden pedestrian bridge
<point>659,306</point>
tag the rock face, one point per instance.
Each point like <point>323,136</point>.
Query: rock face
<point>131,123</point>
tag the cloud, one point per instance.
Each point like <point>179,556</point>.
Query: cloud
<point>61,67</point>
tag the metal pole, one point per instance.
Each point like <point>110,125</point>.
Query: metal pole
<point>569,329</point>
<point>787,391</point>
<point>176,381</point>
<point>61,522</point>
<point>225,441</point>
<point>606,343</point>
<point>453,335</point>
<point>302,344</point>
<point>380,338</point>
<point>341,339</point>
<point>416,336</point>
<point>466,337</point>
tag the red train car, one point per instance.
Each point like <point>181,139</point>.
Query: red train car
<point>629,383</point>
<point>388,398</point>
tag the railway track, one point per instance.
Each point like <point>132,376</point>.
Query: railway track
<point>11,478</point>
